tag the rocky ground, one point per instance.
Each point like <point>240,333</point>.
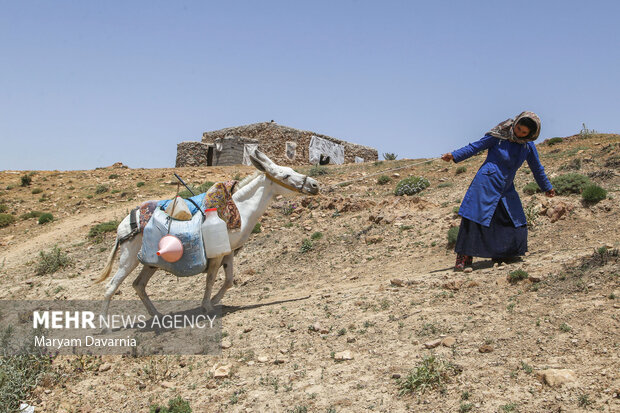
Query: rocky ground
<point>341,324</point>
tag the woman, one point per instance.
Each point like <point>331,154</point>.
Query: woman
<point>493,224</point>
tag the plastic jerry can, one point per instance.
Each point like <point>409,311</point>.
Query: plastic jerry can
<point>215,235</point>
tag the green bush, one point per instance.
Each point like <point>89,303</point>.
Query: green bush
<point>593,194</point>
<point>45,218</point>
<point>51,262</point>
<point>411,185</point>
<point>517,275</point>
<point>317,235</point>
<point>432,372</point>
<point>445,185</point>
<point>139,184</point>
<point>26,180</point>
<point>113,176</point>
<point>318,170</point>
<point>36,191</point>
<point>574,164</point>
<point>452,235</point>
<point>306,245</point>
<point>101,189</point>
<point>31,214</point>
<point>553,141</point>
<point>390,156</point>
<point>19,376</point>
<point>176,405</point>
<point>383,179</point>
<point>6,220</point>
<point>461,169</point>
<point>3,208</point>
<point>531,188</point>
<point>257,228</point>
<point>97,231</point>
<point>572,183</point>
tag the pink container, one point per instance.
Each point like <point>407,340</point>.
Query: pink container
<point>170,248</point>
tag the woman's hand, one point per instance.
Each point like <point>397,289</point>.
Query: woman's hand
<point>550,193</point>
<point>447,157</point>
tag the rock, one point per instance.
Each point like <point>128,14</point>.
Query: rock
<point>433,343</point>
<point>226,344</point>
<point>468,270</point>
<point>397,282</point>
<point>105,367</point>
<point>222,371</point>
<point>396,175</point>
<point>448,341</point>
<point>373,240</point>
<point>262,359</point>
<point>343,355</point>
<point>396,376</point>
<point>535,278</point>
<point>453,285</point>
<point>486,348</point>
<point>248,329</point>
<point>557,377</point>
<point>167,384</point>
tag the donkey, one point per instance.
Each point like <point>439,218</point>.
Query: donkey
<point>252,198</point>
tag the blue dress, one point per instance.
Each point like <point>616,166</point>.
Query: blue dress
<point>493,222</point>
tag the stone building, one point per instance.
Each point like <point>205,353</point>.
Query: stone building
<point>284,145</point>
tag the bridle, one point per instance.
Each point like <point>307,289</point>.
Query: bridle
<point>285,185</point>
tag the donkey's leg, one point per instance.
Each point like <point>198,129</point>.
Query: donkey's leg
<point>128,262</point>
<point>139,284</point>
<point>212,267</point>
<point>227,262</point>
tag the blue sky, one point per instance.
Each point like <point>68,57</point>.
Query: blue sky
<point>89,83</point>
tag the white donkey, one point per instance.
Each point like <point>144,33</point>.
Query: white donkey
<point>252,199</point>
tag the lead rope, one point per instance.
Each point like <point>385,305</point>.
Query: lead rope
<point>381,172</point>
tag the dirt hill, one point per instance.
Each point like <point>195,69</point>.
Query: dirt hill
<point>355,270</point>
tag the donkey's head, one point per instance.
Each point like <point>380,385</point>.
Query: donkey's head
<point>286,178</point>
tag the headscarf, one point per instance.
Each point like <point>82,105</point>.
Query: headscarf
<point>504,130</point>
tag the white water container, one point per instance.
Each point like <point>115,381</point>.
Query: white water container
<point>215,235</point>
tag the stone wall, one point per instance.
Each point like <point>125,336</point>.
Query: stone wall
<point>272,139</point>
<point>192,154</point>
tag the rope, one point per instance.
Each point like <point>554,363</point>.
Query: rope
<point>382,172</point>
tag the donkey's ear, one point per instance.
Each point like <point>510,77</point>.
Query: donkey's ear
<point>262,157</point>
<point>257,164</point>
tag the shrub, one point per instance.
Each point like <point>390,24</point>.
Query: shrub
<point>36,191</point>
<point>593,194</point>
<point>113,176</point>
<point>19,376</point>
<point>553,141</point>
<point>176,405</point>
<point>101,189</point>
<point>45,218</point>
<point>585,132</point>
<point>461,169</point>
<point>516,276</point>
<point>411,185</point>
<point>257,228</point>
<point>572,183</point>
<point>99,230</point>
<point>26,180</point>
<point>288,208</point>
<point>6,220</point>
<point>574,164</point>
<point>51,262</point>
<point>3,208</point>
<point>452,235</point>
<point>31,214</point>
<point>318,170</point>
<point>317,235</point>
<point>306,245</point>
<point>139,184</point>
<point>390,156</point>
<point>531,188</point>
<point>383,179</point>
<point>445,185</point>
<point>431,373</point>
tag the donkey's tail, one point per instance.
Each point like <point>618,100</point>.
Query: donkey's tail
<point>108,267</point>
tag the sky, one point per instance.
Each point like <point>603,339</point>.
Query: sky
<point>84,84</point>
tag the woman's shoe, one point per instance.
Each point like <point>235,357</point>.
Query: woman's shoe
<point>463,261</point>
